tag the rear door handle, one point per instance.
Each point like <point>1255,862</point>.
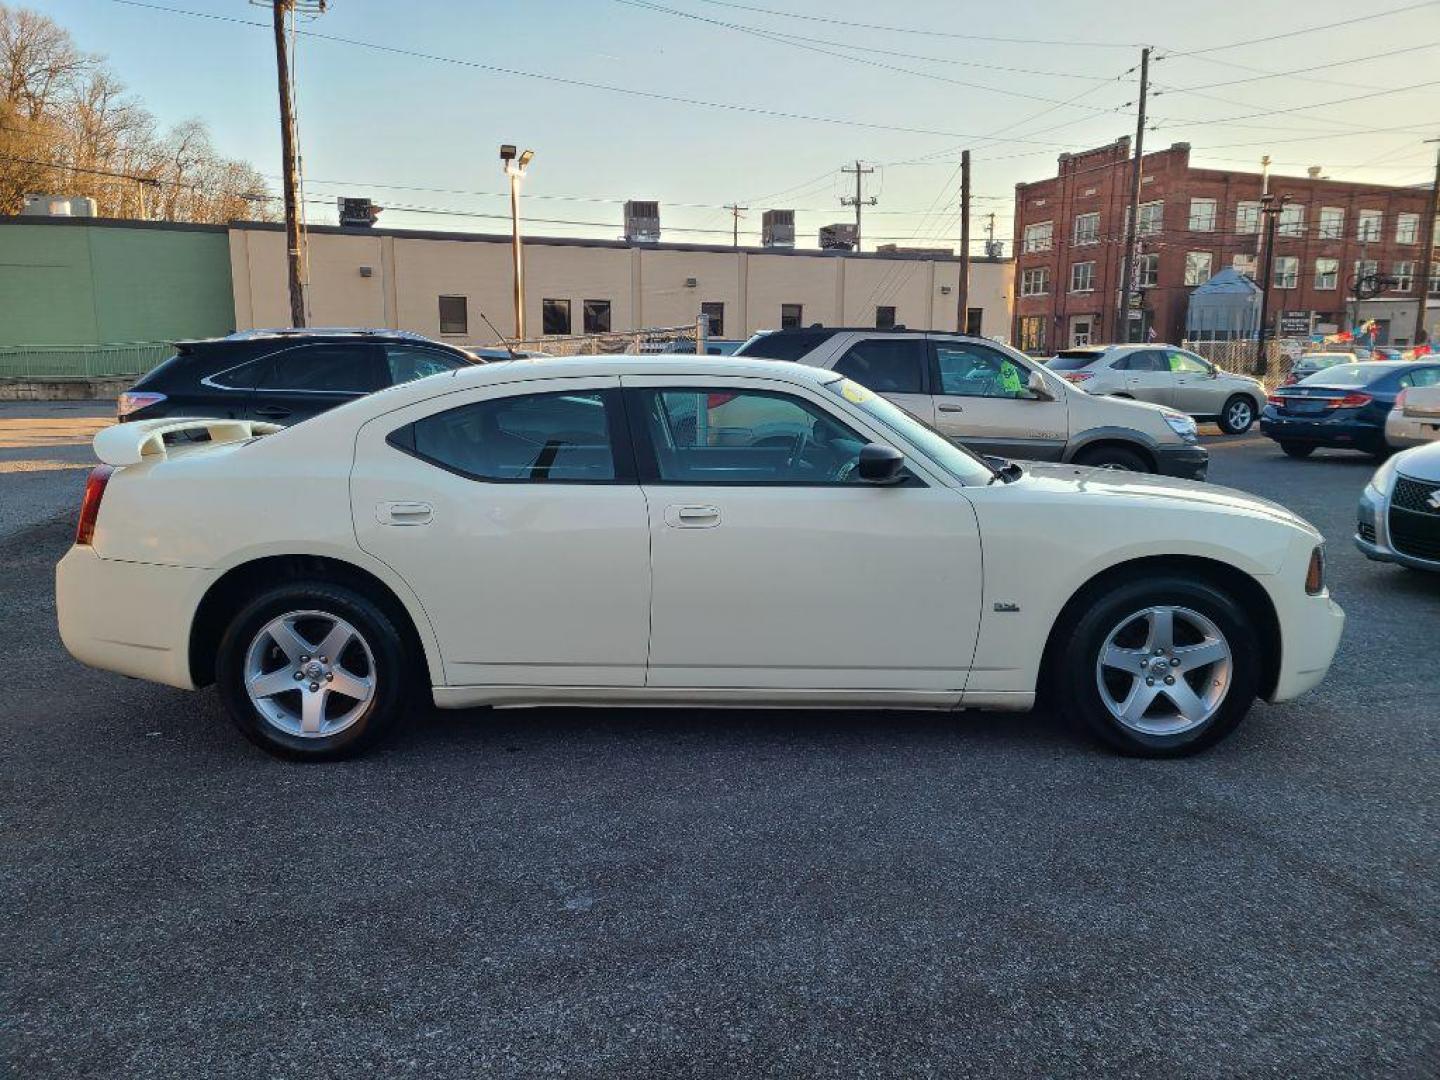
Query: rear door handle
<point>404,513</point>
<point>946,406</point>
<point>274,412</point>
<point>692,517</point>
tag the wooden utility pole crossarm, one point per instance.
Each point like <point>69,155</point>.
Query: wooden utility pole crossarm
<point>861,171</point>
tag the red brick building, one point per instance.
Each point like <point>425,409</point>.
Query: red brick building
<point>1070,234</point>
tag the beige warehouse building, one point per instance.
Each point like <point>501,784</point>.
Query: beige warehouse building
<point>439,284</point>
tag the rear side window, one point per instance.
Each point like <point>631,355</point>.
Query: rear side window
<point>1144,360</point>
<point>325,368</point>
<point>886,365</point>
<point>787,346</point>
<point>241,377</point>
<point>530,437</point>
<point>1351,375</point>
<point>404,363</point>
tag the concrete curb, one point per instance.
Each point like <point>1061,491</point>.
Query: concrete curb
<point>107,388</point>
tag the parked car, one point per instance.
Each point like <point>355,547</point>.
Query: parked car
<point>612,530</point>
<point>1399,513</point>
<point>996,400</point>
<point>1415,417</point>
<point>1165,375</point>
<point>1344,407</point>
<point>1310,363</point>
<point>283,376</point>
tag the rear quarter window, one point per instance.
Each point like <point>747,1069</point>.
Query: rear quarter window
<point>1073,361</point>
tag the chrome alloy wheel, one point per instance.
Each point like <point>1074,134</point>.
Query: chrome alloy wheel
<point>1164,670</point>
<point>1240,415</point>
<point>309,673</point>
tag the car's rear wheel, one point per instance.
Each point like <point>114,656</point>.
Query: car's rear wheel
<point>1113,457</point>
<point>1297,449</point>
<point>312,671</point>
<point>1162,667</point>
<point>1237,416</point>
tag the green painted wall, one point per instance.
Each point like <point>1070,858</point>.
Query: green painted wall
<point>66,283</point>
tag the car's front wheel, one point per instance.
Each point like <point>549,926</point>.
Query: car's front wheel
<point>1159,667</point>
<point>312,671</point>
<point>1237,416</point>
<point>1113,457</point>
<point>1297,449</point>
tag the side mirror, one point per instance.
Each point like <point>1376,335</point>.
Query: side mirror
<point>879,464</point>
<point>1038,388</point>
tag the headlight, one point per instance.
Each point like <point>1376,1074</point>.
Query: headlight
<point>1382,480</point>
<point>1182,425</point>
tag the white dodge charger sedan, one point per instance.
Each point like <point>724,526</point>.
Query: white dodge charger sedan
<point>675,530</point>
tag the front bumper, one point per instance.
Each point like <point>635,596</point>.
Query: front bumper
<point>1372,534</point>
<point>1311,634</point>
<point>1185,461</point>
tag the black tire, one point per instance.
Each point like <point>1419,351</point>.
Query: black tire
<point>1113,457</point>
<point>387,662</point>
<point>1075,653</point>
<point>1297,449</point>
<point>1237,425</point>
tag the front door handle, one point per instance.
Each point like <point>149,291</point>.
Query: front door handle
<point>946,406</point>
<point>692,517</point>
<point>404,513</point>
<point>272,412</point>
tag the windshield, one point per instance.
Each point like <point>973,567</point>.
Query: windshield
<point>1350,375</point>
<point>1073,361</point>
<point>957,461</point>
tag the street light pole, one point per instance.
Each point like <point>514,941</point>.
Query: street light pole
<point>515,169</point>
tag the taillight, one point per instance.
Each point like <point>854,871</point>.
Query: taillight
<point>1351,401</point>
<point>132,401</point>
<point>1076,376</point>
<point>90,506</point>
<point>1275,399</point>
<point>1400,401</point>
<point>1315,573</point>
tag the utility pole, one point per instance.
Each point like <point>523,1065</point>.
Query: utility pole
<point>1269,212</point>
<point>990,233</point>
<point>962,302</point>
<point>735,212</point>
<point>1127,263</point>
<point>1427,247</point>
<point>860,171</point>
<point>283,10</point>
<point>1264,190</point>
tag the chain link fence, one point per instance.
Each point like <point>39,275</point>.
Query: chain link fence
<point>81,361</point>
<point>1241,357</point>
<point>689,338</point>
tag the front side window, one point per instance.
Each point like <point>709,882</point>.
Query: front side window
<point>1035,281</point>
<point>1184,364</point>
<point>952,457</point>
<point>791,316</point>
<point>597,316</point>
<point>1332,223</point>
<point>1082,277</point>
<point>1202,215</point>
<point>345,369</point>
<point>968,370</point>
<point>1287,271</point>
<point>1087,229</point>
<point>1197,267</point>
<point>885,317</point>
<point>1369,225</point>
<point>1327,271</point>
<point>1038,237</point>
<point>886,365</point>
<point>1407,228</point>
<point>405,363</point>
<point>454,315</point>
<point>529,437</point>
<point>555,316</point>
<point>718,435</point>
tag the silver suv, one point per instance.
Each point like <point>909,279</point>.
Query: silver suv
<point>1165,375</point>
<point>996,400</point>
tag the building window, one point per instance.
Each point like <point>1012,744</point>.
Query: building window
<point>1407,228</point>
<point>973,318</point>
<point>1035,281</point>
<point>1332,223</point>
<point>1327,273</point>
<point>1152,218</point>
<point>713,311</point>
<point>791,316</point>
<point>1038,237</point>
<point>1244,264</point>
<point>1404,274</point>
<point>1032,333</point>
<point>1202,215</point>
<point>885,317</point>
<point>1247,217</point>
<point>1082,277</point>
<point>1433,286</point>
<point>1364,268</point>
<point>1197,267</point>
<point>556,316</point>
<point>454,315</point>
<point>1368,227</point>
<point>1292,220</point>
<point>1147,271</point>
<point>597,316</point>
<point>1087,229</point>
<point>1287,272</point>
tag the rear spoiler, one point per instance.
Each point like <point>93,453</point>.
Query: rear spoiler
<point>132,443</point>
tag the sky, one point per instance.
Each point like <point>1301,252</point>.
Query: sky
<point>411,108</point>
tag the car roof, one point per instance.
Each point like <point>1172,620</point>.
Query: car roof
<point>286,333</point>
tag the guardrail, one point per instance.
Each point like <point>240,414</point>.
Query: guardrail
<point>81,361</point>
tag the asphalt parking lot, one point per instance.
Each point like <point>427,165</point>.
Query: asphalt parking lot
<point>674,893</point>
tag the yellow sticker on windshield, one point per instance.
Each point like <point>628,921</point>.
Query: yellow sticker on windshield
<point>854,393</point>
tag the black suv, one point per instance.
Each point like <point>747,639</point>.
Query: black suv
<point>283,376</point>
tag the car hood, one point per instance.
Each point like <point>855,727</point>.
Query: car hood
<point>1143,488</point>
<point>1421,463</point>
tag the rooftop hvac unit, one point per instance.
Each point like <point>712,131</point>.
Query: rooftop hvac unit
<point>995,249</point>
<point>642,222</point>
<point>58,206</point>
<point>357,213</point>
<point>837,237</point>
<point>777,228</point>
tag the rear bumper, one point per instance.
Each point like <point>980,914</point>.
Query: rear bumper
<point>1403,431</point>
<point>1344,434</point>
<point>127,617</point>
<point>1185,461</point>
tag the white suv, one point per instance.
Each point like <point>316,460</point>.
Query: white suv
<point>996,400</point>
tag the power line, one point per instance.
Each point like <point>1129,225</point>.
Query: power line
<point>1298,71</point>
<point>1370,17</point>
<point>1302,108</point>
